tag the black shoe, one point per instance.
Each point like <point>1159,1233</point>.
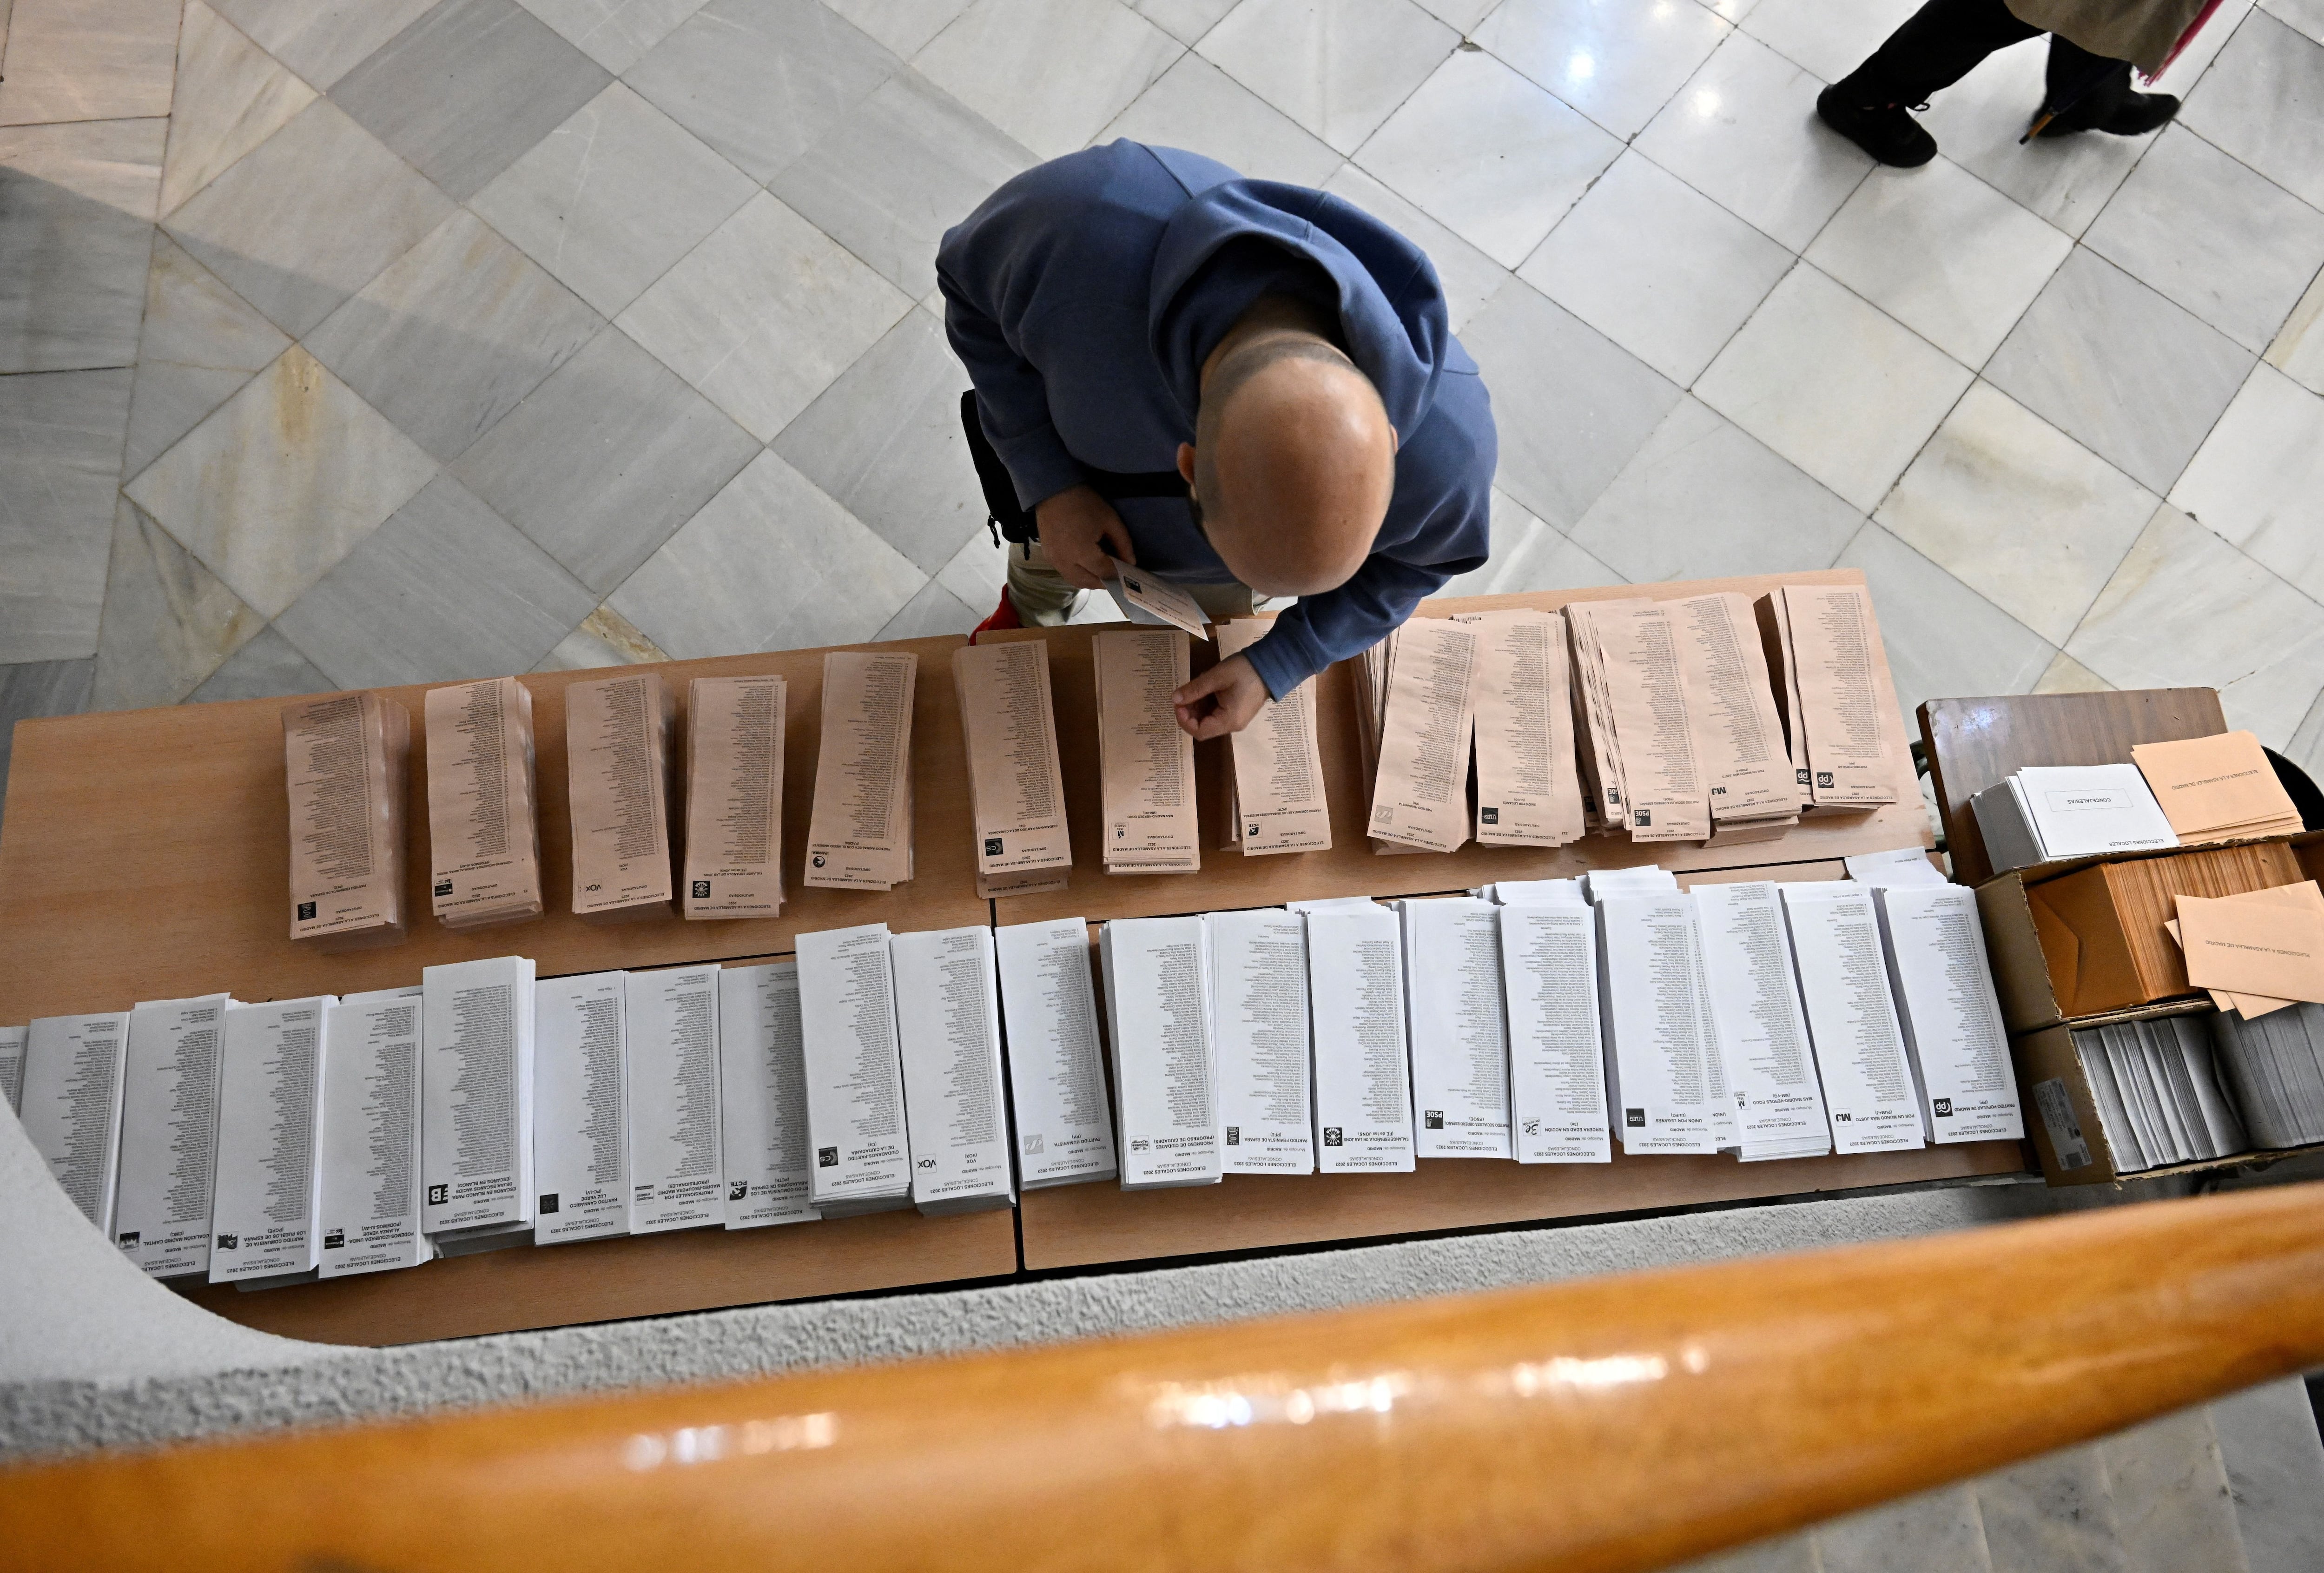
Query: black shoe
<point>2136,116</point>
<point>1885,131</point>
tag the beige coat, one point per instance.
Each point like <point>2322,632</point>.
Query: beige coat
<point>2141,32</point>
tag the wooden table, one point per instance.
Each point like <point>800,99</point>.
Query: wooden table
<point>1975,744</point>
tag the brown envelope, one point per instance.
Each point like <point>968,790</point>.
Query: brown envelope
<point>734,728</point>
<point>860,831</point>
<point>2216,786</point>
<point>2243,945</point>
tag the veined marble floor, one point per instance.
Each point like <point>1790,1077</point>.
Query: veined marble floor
<point>348,342</point>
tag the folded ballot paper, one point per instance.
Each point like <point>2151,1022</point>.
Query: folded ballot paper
<point>1360,1073</point>
<point>2160,1087</point>
<point>948,1024</point>
<point>1057,1071</point>
<point>1144,598</point>
<point>1274,797</point>
<point>1146,760</point>
<point>2274,1066</point>
<point>2217,788</point>
<point>859,833</point>
<point>854,1073</point>
<point>1260,1040</point>
<point>1015,788</point>
<point>1158,1025</point>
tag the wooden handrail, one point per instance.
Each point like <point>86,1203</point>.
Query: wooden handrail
<point>1613,1423</point>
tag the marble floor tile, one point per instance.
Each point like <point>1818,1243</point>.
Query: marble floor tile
<point>884,441</point>
<point>770,563</point>
<point>2258,479</point>
<point>31,688</point>
<point>1618,61</point>
<point>2305,15</point>
<point>760,79</point>
<point>1976,123</point>
<point>1468,276</point>
<point>2196,60</point>
<point>445,589</point>
<point>1794,1554</point>
<point>1489,154</point>
<point>1943,253</point>
<point>322,40</point>
<point>1188,20</point>
<point>1050,73</point>
<point>1743,132</point>
<point>1198,106</point>
<point>901,27</point>
<point>76,227</point>
<point>1936,1531</point>
<point>615,33</point>
<point>308,217</point>
<point>603,462</point>
<point>1337,67</point>
<point>1529,555</point>
<point>978,572</point>
<point>2263,101</point>
<point>764,314</point>
<point>2186,608</point>
<point>2120,369</point>
<point>933,612</point>
<point>896,172</point>
<point>604,638</point>
<point>1657,266</point>
<point>1705,499</point>
<point>1969,501</point>
<point>169,622</point>
<point>2306,749</point>
<point>231,97</point>
<point>1944,640</point>
<point>611,197</point>
<point>2173,1506</point>
<point>2297,351</point>
<point>452,334</point>
<point>2233,247</point>
<point>2068,676</point>
<point>2274,1466</point>
<point>280,481</point>
<point>1571,406</point>
<point>466,89</point>
<point>1833,386</point>
<point>59,461</point>
<point>88,59</point>
<point>270,667</point>
<point>1830,37</point>
<point>201,341</point>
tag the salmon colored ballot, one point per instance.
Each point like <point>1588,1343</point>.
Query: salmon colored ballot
<point>860,837</point>
<point>734,865</point>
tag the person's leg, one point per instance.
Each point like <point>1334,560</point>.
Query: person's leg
<point>1937,46</point>
<point>2094,93</point>
<point>1040,594</point>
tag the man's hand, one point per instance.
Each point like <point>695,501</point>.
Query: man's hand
<point>1079,530</point>
<point>1223,699</point>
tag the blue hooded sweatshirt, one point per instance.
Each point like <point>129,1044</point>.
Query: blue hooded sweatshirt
<point>1084,296</point>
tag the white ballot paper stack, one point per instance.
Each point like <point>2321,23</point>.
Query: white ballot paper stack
<point>169,1135</point>
<point>1459,1043</point>
<point>475,1084</point>
<point>1156,1023</point>
<point>948,1023</point>
<point>1761,1026</point>
<point>1259,1041</point>
<point>265,1202</point>
<point>854,1076</point>
<point>677,1180</point>
<point>859,835</point>
<point>12,1066</point>
<point>1557,1055</point>
<point>1145,760</point>
<point>1950,1016</point>
<point>1057,1071</point>
<point>1899,866</point>
<point>1528,787</point>
<point>580,1108</point>
<point>1859,1048</point>
<point>1664,1080</point>
<point>1427,707</point>
<point>369,1210</point>
<point>1275,785</point>
<point>1362,1075</point>
<point>762,1096</point>
<point>71,1108</point>
<point>1015,788</point>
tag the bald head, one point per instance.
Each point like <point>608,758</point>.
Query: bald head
<point>1293,463</point>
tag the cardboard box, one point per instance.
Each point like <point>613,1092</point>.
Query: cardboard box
<point>2072,941</point>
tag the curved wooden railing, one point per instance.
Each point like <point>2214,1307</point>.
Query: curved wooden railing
<point>1614,1423</point>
